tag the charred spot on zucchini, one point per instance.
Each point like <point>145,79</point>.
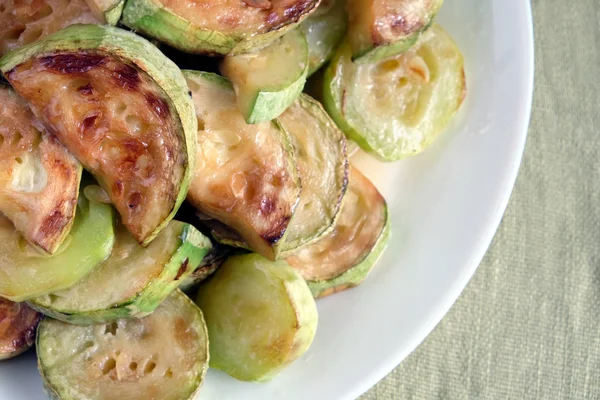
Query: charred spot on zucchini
<point>122,109</point>
<point>260,315</point>
<point>269,80</point>
<point>320,149</point>
<point>245,175</point>
<point>39,179</point>
<point>162,356</point>
<point>18,324</point>
<point>216,26</point>
<point>344,257</point>
<point>133,281</point>
<point>108,11</point>
<point>396,108</point>
<point>380,29</point>
<point>25,272</point>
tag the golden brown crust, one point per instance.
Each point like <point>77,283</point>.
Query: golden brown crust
<point>18,324</point>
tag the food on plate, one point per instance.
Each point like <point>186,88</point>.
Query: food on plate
<point>269,80</point>
<point>260,315</point>
<point>380,29</point>
<point>39,179</point>
<point>25,272</point>
<point>395,108</point>
<point>344,257</point>
<point>26,21</point>
<point>122,108</point>
<point>162,356</point>
<point>246,175</point>
<point>133,281</point>
<point>107,11</point>
<point>216,26</point>
<point>18,324</point>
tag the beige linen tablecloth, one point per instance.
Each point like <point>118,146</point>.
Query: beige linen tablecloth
<point>528,324</point>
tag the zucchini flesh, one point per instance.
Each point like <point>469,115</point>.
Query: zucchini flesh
<point>39,179</point>
<point>246,176</point>
<point>397,107</point>
<point>133,280</point>
<point>162,356</point>
<point>18,324</point>
<point>108,11</point>
<point>344,257</point>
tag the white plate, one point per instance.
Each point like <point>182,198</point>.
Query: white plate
<point>446,205</point>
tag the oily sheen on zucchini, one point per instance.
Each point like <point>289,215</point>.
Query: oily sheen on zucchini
<point>397,107</point>
<point>246,175</point>
<point>216,26</point>
<point>133,281</point>
<point>121,108</point>
<point>162,356</point>
<point>344,257</point>
<point>18,324</point>
<point>39,179</point>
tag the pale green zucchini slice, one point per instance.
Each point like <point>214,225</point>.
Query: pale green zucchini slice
<point>18,324</point>
<point>216,26</point>
<point>26,273</point>
<point>39,179</point>
<point>162,356</point>
<point>108,11</point>
<point>133,281</point>
<point>397,107</point>
<point>268,81</point>
<point>344,257</point>
<point>324,30</point>
<point>246,175</point>
<point>380,29</point>
<point>122,109</point>
<point>260,315</point>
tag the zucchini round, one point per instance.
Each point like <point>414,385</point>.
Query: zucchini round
<point>162,356</point>
<point>122,109</point>
<point>344,257</point>
<point>216,26</point>
<point>268,81</point>
<point>260,315</point>
<point>133,280</point>
<point>397,107</point>
<point>26,273</point>
<point>39,179</point>
<point>18,323</point>
<point>246,175</point>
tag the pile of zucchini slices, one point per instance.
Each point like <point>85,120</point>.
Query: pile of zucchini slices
<point>156,220</point>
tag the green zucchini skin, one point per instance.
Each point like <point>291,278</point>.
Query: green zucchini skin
<point>180,262</point>
<point>109,10</point>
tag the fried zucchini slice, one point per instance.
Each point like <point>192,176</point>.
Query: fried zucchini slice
<point>246,175</point>
<point>24,22</point>
<point>260,315</point>
<point>216,26</point>
<point>324,30</point>
<point>133,281</point>
<point>268,81</point>
<point>380,29</point>
<point>162,356</point>
<point>39,179</point>
<point>18,324</point>
<point>343,259</point>
<point>320,149</point>
<point>396,108</point>
<point>26,273</point>
<point>108,11</point>
<point>122,108</point>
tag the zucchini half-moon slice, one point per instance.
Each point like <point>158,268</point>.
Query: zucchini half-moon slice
<point>122,109</point>
<point>344,257</point>
<point>133,280</point>
<point>18,324</point>
<point>162,356</point>
<point>380,29</point>
<point>26,273</point>
<point>216,26</point>
<point>39,179</point>
<point>397,107</point>
<point>246,175</point>
<point>24,22</point>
